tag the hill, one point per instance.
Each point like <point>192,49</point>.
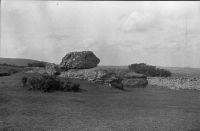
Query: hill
<point>17,61</point>
<point>111,67</point>
<point>183,70</point>
<point>174,70</point>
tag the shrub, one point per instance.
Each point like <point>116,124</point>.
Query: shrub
<point>5,73</point>
<point>57,73</point>
<point>65,85</point>
<point>24,80</point>
<point>33,83</point>
<point>117,85</point>
<point>49,83</point>
<point>149,70</point>
<point>75,87</point>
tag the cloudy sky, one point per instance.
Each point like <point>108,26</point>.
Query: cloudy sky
<point>163,33</point>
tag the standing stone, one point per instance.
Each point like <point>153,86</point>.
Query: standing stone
<point>79,60</point>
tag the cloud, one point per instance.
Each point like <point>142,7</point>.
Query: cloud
<point>119,34</point>
<point>58,37</point>
<point>138,22</point>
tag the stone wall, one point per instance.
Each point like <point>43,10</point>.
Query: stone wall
<point>178,82</point>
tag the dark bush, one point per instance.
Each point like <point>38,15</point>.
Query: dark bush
<point>5,73</point>
<point>33,83</point>
<point>149,70</point>
<point>24,80</point>
<point>37,64</point>
<point>65,85</point>
<point>49,83</point>
<point>75,87</point>
<point>117,85</point>
<point>57,73</point>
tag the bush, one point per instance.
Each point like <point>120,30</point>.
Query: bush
<point>5,73</point>
<point>24,80</point>
<point>33,83</point>
<point>149,70</point>
<point>75,87</point>
<point>57,73</point>
<point>49,83</point>
<point>65,85</point>
<point>37,64</point>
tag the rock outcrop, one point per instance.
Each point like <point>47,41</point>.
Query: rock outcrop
<point>136,82</point>
<point>93,75</point>
<point>79,60</point>
<point>52,69</point>
<point>133,79</point>
<point>133,75</point>
<point>128,79</point>
<point>116,82</point>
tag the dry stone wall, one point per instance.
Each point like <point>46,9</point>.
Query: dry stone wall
<point>187,82</point>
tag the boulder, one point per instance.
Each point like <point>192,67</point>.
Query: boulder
<point>52,69</point>
<point>116,82</point>
<point>104,76</point>
<point>136,82</point>
<point>133,75</point>
<point>79,60</point>
<point>93,75</point>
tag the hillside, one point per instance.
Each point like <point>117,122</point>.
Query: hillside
<point>112,67</point>
<point>17,61</point>
<point>174,70</point>
<point>183,70</point>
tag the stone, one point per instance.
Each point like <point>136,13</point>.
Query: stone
<point>52,69</point>
<point>136,82</point>
<point>79,60</point>
<point>116,83</point>
<point>93,75</point>
<point>105,76</point>
<point>133,75</point>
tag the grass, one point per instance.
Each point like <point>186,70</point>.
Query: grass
<point>97,108</point>
<point>8,70</point>
<point>17,61</point>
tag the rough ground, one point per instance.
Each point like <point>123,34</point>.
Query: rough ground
<point>97,108</point>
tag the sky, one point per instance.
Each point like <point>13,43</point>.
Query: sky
<point>160,33</point>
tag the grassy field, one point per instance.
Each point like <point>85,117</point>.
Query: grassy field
<point>17,61</point>
<point>97,108</point>
<point>8,70</point>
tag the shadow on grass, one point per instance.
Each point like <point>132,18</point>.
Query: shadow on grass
<point>130,88</point>
<point>124,90</point>
<point>196,129</point>
<point>77,100</point>
<point>82,90</point>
